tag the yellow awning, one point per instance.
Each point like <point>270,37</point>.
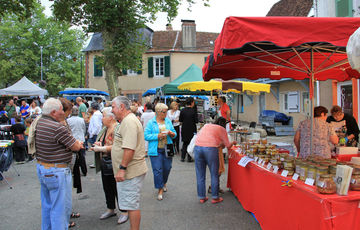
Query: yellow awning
<point>245,86</point>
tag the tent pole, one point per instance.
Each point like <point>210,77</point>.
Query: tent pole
<point>237,112</point>
<point>311,88</point>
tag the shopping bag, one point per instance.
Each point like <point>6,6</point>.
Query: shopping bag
<point>191,146</point>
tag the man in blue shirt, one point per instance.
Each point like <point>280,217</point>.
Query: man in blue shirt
<point>24,109</point>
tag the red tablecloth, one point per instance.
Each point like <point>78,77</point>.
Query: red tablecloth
<point>297,207</point>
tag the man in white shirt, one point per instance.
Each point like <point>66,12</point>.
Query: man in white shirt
<point>95,123</point>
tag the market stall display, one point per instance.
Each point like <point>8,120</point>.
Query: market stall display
<point>280,200</point>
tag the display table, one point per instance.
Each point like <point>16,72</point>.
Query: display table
<point>281,207</point>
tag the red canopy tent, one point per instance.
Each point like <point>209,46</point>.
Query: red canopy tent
<point>282,47</point>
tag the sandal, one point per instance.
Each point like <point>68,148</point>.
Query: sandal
<point>218,200</point>
<point>72,224</point>
<point>75,215</point>
<point>203,200</point>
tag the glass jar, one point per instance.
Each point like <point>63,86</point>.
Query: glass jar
<point>275,162</point>
<point>332,169</point>
<point>326,184</point>
<point>290,170</point>
<point>321,170</point>
<point>355,181</point>
<point>263,141</point>
<point>289,163</point>
<point>267,158</point>
<point>311,172</point>
<point>303,171</point>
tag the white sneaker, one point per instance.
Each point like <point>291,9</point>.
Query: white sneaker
<point>123,218</point>
<point>107,214</point>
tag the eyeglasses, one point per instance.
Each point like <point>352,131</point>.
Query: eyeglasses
<point>163,111</point>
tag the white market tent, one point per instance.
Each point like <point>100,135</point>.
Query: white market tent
<point>23,87</point>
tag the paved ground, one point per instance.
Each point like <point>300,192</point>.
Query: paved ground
<point>180,209</point>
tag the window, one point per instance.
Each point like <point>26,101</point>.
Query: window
<point>98,72</point>
<point>133,96</point>
<point>291,102</point>
<point>159,66</point>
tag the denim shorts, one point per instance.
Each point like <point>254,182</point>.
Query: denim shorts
<point>129,192</point>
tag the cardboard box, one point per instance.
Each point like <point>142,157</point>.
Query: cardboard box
<point>346,150</point>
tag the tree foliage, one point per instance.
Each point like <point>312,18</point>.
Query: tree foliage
<point>119,22</point>
<point>21,8</point>
<point>20,50</point>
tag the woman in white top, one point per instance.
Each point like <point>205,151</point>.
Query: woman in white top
<point>145,118</point>
<point>173,114</point>
<point>34,109</point>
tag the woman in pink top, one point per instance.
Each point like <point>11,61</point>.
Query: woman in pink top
<point>210,137</point>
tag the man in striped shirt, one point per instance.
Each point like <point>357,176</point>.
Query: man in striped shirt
<point>54,145</point>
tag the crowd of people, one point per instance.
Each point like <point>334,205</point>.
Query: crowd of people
<point>122,134</point>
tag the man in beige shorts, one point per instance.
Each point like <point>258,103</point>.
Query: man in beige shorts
<point>128,159</point>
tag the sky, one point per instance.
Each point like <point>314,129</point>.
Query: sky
<point>207,19</point>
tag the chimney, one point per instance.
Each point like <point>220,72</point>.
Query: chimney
<point>169,27</point>
<point>188,29</point>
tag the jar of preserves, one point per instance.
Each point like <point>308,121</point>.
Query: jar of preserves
<point>263,141</point>
<point>332,169</point>
<point>275,162</point>
<point>321,170</point>
<point>311,172</point>
<point>267,158</point>
<point>298,164</point>
<point>303,171</point>
<point>290,170</point>
<point>289,163</point>
<point>326,184</point>
<point>355,181</point>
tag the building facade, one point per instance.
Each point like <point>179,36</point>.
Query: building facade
<point>170,53</point>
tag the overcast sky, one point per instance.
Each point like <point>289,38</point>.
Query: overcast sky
<point>207,19</point>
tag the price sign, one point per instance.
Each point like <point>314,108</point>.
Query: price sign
<point>244,161</point>
<point>256,159</point>
<point>263,163</point>
<point>269,166</point>
<point>309,181</point>
<point>260,161</point>
<point>284,173</point>
<point>295,176</point>
<point>276,169</point>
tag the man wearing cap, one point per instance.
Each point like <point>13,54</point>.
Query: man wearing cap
<point>95,123</point>
<point>54,145</point>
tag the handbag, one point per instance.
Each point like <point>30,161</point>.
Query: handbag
<point>169,150</point>
<point>106,166</point>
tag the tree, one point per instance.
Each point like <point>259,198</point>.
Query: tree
<point>21,8</point>
<point>119,21</point>
<point>20,50</point>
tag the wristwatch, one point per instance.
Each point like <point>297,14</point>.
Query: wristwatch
<point>122,167</point>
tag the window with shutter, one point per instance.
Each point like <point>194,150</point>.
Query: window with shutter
<point>160,66</point>
<point>98,72</point>
<point>290,102</point>
<point>344,8</point>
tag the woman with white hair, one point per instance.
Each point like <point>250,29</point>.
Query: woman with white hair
<point>103,145</point>
<point>159,132</point>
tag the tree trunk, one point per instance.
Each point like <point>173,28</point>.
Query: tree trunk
<point>112,72</point>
